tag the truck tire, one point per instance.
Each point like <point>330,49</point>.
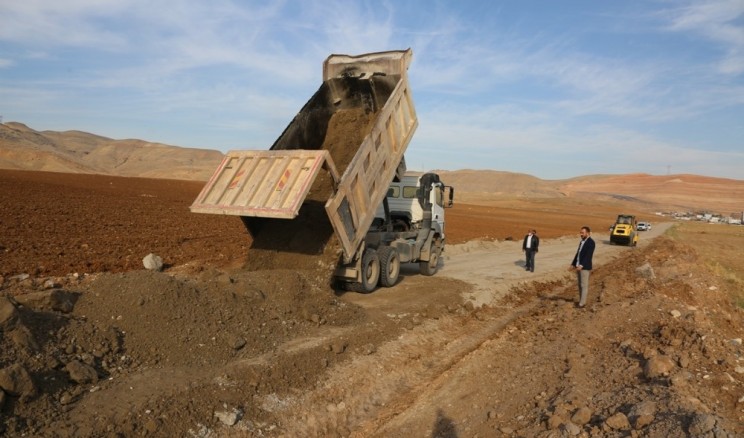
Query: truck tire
<point>370,273</point>
<point>430,267</point>
<point>389,266</point>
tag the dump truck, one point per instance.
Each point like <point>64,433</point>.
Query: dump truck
<point>624,232</point>
<point>342,153</point>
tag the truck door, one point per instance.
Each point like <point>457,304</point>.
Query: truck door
<point>436,197</point>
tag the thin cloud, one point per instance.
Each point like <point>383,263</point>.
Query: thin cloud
<point>719,21</point>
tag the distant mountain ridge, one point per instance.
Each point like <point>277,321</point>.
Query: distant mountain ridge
<point>649,192</point>
<point>23,148</point>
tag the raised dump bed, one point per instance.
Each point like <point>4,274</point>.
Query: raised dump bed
<point>339,154</point>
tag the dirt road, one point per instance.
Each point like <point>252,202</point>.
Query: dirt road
<point>492,268</point>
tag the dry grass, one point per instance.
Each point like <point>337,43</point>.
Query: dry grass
<point>721,247</point>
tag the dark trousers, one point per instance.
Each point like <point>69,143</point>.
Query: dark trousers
<point>530,259</point>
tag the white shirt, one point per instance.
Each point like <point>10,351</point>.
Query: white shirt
<point>578,253</point>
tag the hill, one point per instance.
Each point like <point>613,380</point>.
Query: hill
<point>23,148</point>
<point>639,191</point>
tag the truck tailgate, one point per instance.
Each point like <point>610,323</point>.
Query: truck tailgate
<point>262,183</point>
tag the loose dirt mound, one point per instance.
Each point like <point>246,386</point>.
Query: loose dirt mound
<point>308,242</point>
<point>139,354</point>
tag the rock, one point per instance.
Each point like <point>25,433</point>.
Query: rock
<point>735,342</point>
<point>153,262</point>
<point>739,370</point>
<point>22,337</point>
<point>152,425</point>
<point>15,380</point>
<point>684,361</point>
<point>229,418</point>
<point>8,314</point>
<point>20,277</point>
<point>55,299</point>
<point>675,313</point>
<point>642,414</point>
<point>582,416</point>
<point>571,429</point>
<point>51,284</point>
<point>646,271</point>
<point>618,422</point>
<point>338,347</point>
<point>492,415</point>
<point>701,424</point>
<point>658,366</point>
<point>66,398</point>
<point>81,373</point>
<point>238,342</point>
<point>555,421</point>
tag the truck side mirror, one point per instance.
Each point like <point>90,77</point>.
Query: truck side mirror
<point>451,197</point>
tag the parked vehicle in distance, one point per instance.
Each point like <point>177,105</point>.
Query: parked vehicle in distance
<point>644,226</point>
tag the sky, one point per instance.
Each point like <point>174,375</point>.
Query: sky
<point>553,89</point>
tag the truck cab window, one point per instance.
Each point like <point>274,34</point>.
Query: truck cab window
<point>409,192</point>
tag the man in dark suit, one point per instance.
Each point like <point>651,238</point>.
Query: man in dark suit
<point>582,263</point>
<point>529,247</point>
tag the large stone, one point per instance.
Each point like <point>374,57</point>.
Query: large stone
<point>55,299</point>
<point>15,380</point>
<point>153,262</point>
<point>582,416</point>
<point>658,366</point>
<point>701,424</point>
<point>8,314</point>
<point>618,422</point>
<point>642,414</point>
<point>22,337</point>
<point>646,271</point>
<point>81,373</point>
<point>229,418</point>
<point>571,429</point>
<point>555,421</point>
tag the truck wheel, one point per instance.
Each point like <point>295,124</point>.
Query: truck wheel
<point>389,266</point>
<point>429,267</point>
<point>370,273</point>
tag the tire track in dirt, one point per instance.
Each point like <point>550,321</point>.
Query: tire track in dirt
<point>369,391</point>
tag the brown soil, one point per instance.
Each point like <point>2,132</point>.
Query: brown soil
<point>206,348</point>
<point>307,241</point>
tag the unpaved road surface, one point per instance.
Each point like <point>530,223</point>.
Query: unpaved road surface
<point>208,349</point>
<point>493,268</point>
